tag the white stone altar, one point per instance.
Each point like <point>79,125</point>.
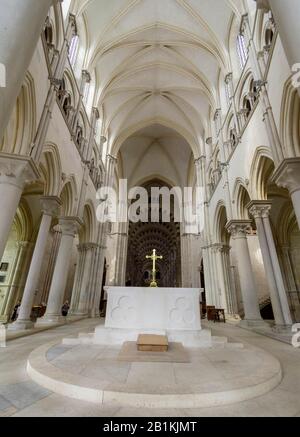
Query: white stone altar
<point>174,312</point>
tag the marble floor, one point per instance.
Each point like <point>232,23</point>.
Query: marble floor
<point>19,396</point>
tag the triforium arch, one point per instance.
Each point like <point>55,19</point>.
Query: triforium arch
<point>51,170</point>
<point>19,134</point>
<point>290,121</point>
<point>68,196</point>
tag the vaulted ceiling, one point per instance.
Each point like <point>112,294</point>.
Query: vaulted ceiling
<point>157,62</point>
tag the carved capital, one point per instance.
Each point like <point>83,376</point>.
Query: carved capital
<point>287,174</point>
<point>51,205</point>
<point>17,170</point>
<point>70,225</point>
<point>228,78</point>
<point>238,228</point>
<point>259,208</point>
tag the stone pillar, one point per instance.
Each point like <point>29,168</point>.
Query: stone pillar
<point>50,208</point>
<point>227,298</point>
<point>15,171</point>
<point>13,294</point>
<point>287,175</point>
<point>69,227</point>
<point>84,297</point>
<point>238,230</point>
<point>291,284</point>
<point>98,281</point>
<point>260,210</point>
<point>56,232</point>
<point>21,23</point>
<point>121,255</point>
<point>77,281</point>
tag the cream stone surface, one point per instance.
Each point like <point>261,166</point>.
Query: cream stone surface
<point>212,377</point>
<point>15,383</point>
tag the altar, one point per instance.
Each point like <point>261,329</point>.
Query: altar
<point>174,312</point>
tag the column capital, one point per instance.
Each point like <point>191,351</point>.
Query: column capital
<point>87,246</point>
<point>112,158</point>
<point>24,244</point>
<point>70,225</point>
<point>287,174</point>
<point>228,78</point>
<point>85,75</point>
<point>220,247</point>
<point>51,205</point>
<point>17,170</point>
<point>244,23</point>
<point>238,228</point>
<point>199,160</point>
<point>259,208</point>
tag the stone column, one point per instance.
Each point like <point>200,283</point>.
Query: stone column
<point>69,227</point>
<point>56,232</point>
<point>291,284</point>
<point>20,267</point>
<point>238,230</point>
<point>260,210</point>
<point>85,290</point>
<point>15,171</point>
<point>98,283</point>
<point>287,175</point>
<point>21,23</point>
<point>50,208</point>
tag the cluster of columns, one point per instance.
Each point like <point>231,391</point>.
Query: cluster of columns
<point>286,13</point>
<point>286,175</point>
<point>17,23</point>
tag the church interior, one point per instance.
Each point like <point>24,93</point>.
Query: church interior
<point>161,93</point>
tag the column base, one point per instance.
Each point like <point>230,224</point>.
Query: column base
<point>282,329</point>
<point>50,319</point>
<point>20,325</point>
<point>252,323</point>
<point>77,316</point>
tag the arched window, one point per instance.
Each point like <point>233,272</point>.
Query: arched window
<point>253,91</point>
<point>48,32</point>
<point>241,50</point>
<point>73,49</point>
<point>247,107</point>
<point>233,137</point>
<point>269,33</point>
<point>86,90</point>
<point>61,91</point>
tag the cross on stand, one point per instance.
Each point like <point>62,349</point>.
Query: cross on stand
<point>154,258</point>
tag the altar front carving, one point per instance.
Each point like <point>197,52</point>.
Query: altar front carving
<point>153,308</point>
<point>174,312</point>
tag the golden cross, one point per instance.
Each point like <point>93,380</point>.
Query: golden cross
<point>154,258</point>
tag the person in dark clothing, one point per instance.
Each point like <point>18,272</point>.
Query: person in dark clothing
<point>65,308</point>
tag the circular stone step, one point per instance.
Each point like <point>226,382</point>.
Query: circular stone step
<point>212,377</point>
